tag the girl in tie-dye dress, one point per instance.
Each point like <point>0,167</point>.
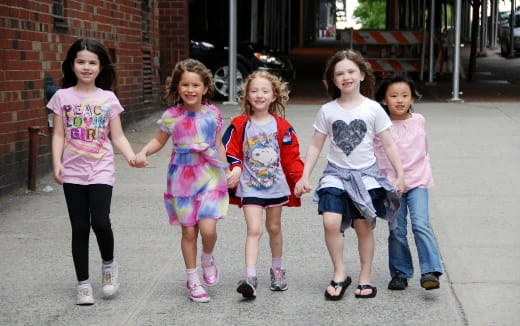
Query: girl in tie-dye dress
<point>196,194</point>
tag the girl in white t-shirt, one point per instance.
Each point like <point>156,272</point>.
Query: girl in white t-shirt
<point>85,112</point>
<point>352,190</point>
<point>409,133</point>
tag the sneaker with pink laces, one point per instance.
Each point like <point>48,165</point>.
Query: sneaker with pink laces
<point>197,292</point>
<point>210,273</point>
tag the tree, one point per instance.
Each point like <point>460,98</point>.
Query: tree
<point>371,14</point>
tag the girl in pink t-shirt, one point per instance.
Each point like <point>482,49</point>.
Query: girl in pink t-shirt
<point>85,112</point>
<point>409,133</point>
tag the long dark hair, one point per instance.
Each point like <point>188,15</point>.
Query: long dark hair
<point>366,87</point>
<point>107,75</point>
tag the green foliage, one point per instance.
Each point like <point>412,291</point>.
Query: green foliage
<point>371,14</point>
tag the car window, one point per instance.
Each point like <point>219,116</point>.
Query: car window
<point>517,20</point>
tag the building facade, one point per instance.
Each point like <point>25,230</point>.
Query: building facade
<point>34,38</point>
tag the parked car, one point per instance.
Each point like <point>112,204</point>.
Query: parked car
<point>250,57</point>
<point>505,35</point>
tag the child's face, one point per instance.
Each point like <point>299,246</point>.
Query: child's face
<point>86,67</point>
<point>398,99</point>
<point>260,94</point>
<point>191,89</point>
<point>347,76</point>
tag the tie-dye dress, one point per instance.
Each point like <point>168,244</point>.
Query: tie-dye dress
<point>196,178</point>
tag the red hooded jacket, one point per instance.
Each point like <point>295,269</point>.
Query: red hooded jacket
<point>290,159</point>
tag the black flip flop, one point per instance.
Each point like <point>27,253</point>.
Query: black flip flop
<point>343,285</point>
<point>366,287</point>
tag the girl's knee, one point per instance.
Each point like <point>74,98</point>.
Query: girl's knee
<point>254,232</point>
<point>274,227</point>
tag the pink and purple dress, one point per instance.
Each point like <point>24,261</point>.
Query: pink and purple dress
<point>196,179</point>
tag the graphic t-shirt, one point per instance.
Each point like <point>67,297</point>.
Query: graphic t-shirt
<point>351,133</point>
<point>262,175</point>
<point>88,157</point>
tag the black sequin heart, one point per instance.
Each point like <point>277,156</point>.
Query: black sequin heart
<point>348,135</point>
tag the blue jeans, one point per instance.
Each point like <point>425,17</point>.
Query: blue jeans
<point>399,256</point>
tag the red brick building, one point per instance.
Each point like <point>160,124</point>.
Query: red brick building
<point>144,37</point>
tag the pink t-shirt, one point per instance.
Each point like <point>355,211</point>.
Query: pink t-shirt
<point>88,157</point>
<point>410,137</point>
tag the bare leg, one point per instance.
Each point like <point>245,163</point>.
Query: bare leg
<point>253,217</point>
<point>208,233</point>
<point>334,242</point>
<point>366,252</point>
<point>189,246</point>
<point>273,224</point>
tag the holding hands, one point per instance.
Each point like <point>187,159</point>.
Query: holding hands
<point>302,187</point>
<point>139,161</point>
<point>233,177</point>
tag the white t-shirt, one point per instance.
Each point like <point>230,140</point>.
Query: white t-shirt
<point>351,133</point>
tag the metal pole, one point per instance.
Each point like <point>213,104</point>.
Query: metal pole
<point>432,41</point>
<point>483,28</point>
<point>494,25</point>
<point>511,30</point>
<point>456,55</point>
<point>254,21</point>
<point>34,144</point>
<point>423,45</point>
<point>232,72</point>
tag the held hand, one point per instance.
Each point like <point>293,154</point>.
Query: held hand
<point>140,160</point>
<point>399,184</point>
<point>233,177</point>
<point>131,162</point>
<point>58,172</point>
<point>301,187</point>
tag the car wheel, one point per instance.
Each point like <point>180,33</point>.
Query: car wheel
<point>221,79</point>
<point>504,48</point>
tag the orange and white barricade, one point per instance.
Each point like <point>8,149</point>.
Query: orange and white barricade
<point>393,51</point>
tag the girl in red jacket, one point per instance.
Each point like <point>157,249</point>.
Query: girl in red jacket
<point>264,156</point>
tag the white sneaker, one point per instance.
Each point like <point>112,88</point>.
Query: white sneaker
<point>110,277</point>
<point>84,296</point>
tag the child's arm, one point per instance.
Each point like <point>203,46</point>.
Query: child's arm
<point>234,155</point>
<point>220,147</point>
<point>313,153</point>
<point>120,141</point>
<point>58,141</point>
<point>392,153</point>
<point>152,147</point>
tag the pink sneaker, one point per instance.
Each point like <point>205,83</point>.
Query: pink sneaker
<point>197,292</point>
<point>210,273</point>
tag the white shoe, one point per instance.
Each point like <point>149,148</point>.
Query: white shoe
<point>85,295</point>
<point>110,277</point>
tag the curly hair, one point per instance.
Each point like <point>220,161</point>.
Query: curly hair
<point>367,85</point>
<point>172,96</point>
<point>107,74</point>
<point>280,92</point>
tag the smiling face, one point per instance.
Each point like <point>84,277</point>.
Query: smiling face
<point>191,89</point>
<point>398,99</point>
<point>347,76</point>
<point>86,67</point>
<point>260,94</point>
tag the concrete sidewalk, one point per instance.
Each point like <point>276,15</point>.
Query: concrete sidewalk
<point>474,211</point>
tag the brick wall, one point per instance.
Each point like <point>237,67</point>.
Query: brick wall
<point>174,26</point>
<point>33,43</point>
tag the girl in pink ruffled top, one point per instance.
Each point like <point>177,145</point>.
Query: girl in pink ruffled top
<point>408,130</point>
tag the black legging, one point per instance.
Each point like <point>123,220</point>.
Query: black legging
<point>89,205</point>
